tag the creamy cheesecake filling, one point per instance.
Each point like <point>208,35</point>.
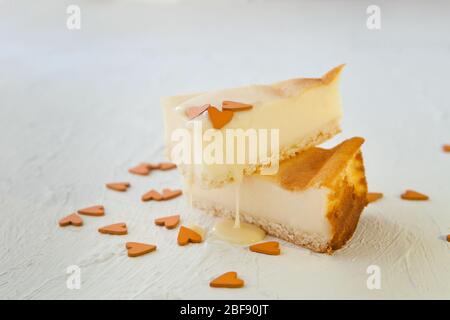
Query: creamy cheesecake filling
<point>262,198</point>
<point>305,112</point>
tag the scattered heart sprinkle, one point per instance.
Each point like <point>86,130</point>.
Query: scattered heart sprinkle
<point>374,196</point>
<point>446,148</point>
<point>169,222</point>
<point>219,118</point>
<point>194,112</point>
<point>142,169</point>
<point>167,166</point>
<point>413,195</point>
<point>71,219</point>
<point>227,280</point>
<point>136,249</point>
<point>448,238</point>
<point>170,194</point>
<point>94,211</point>
<point>152,195</point>
<point>196,228</point>
<point>118,186</point>
<point>235,106</point>
<point>114,229</point>
<point>269,247</point>
<point>153,165</point>
<point>167,194</point>
<point>186,235</point>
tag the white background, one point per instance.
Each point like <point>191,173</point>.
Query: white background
<point>78,108</point>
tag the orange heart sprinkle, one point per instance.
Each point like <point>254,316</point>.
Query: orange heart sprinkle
<point>142,169</point>
<point>194,112</point>
<point>118,186</point>
<point>136,249</point>
<point>374,196</point>
<point>152,195</point>
<point>152,165</point>
<point>169,222</point>
<point>219,118</point>
<point>94,211</point>
<point>167,165</point>
<point>235,106</point>
<point>448,238</point>
<point>227,280</point>
<point>413,195</point>
<point>446,148</point>
<point>186,235</point>
<point>170,194</point>
<point>269,247</point>
<point>117,229</point>
<point>71,219</point>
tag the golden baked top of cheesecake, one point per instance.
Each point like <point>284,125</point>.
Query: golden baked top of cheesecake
<point>318,167</point>
<point>296,86</point>
<point>256,95</point>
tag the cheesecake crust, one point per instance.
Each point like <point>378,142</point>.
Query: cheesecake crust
<point>312,241</point>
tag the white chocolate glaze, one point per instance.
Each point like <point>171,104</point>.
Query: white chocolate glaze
<point>245,233</point>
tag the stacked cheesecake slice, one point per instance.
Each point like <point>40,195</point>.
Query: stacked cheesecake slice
<point>294,190</point>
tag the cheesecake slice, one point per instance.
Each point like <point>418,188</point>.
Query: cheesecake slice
<point>314,201</point>
<point>305,111</point>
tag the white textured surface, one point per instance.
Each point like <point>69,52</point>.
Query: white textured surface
<point>79,107</point>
